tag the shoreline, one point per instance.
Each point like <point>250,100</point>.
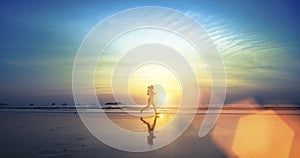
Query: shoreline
<point>286,111</point>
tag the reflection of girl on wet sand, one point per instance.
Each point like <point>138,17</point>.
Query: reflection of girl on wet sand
<point>151,128</point>
<point>151,94</point>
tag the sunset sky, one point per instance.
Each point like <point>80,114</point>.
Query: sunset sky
<point>258,41</point>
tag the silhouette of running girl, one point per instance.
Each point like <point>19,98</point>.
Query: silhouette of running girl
<point>151,94</point>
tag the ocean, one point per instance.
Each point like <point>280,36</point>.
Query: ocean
<point>227,108</point>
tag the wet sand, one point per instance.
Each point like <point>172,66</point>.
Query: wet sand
<point>49,134</point>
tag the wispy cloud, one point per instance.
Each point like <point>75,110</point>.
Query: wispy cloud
<point>249,56</point>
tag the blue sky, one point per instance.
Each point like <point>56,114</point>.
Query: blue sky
<point>259,42</point>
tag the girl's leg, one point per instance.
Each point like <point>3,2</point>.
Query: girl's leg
<point>148,104</point>
<point>154,106</point>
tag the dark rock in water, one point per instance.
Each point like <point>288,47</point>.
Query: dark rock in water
<point>3,104</point>
<point>53,104</point>
<point>113,103</point>
<point>64,103</point>
<point>31,104</point>
<point>111,107</point>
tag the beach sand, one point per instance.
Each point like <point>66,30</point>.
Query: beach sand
<point>55,134</point>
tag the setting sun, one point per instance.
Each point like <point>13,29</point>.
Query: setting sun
<point>166,85</point>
